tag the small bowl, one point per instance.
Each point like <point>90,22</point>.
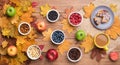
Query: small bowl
<point>60,41</point>
<point>53,20</point>
<point>21,31</point>
<point>72,23</point>
<point>34,49</point>
<point>79,56</point>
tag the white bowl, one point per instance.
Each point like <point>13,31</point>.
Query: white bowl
<point>21,32</point>
<point>61,41</point>
<point>57,17</point>
<point>28,54</point>
<point>78,58</point>
<point>69,19</point>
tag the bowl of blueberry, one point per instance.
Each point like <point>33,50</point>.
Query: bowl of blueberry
<point>57,36</point>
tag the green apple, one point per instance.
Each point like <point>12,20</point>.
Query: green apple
<point>11,11</point>
<point>80,35</point>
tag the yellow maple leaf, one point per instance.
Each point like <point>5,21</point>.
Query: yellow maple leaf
<point>87,43</point>
<point>66,26</point>
<point>64,46</point>
<point>4,44</point>
<point>21,57</point>
<point>5,32</point>
<point>20,40</point>
<point>88,10</point>
<point>7,28</point>
<point>27,44</point>
<point>114,31</point>
<point>14,61</point>
<point>19,11</point>
<point>14,19</point>
<point>47,34</point>
<point>113,7</point>
<point>44,9</point>
<point>33,34</point>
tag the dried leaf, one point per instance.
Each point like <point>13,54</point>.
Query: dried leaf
<point>33,34</point>
<point>27,16</point>
<point>44,9</point>
<point>19,11</point>
<point>4,60</point>
<point>47,34</point>
<point>41,47</point>
<point>17,2</point>
<point>14,20</point>
<point>14,61</point>
<point>114,31</point>
<point>5,8</point>
<point>66,26</point>
<point>3,51</point>
<point>67,12</point>
<point>20,40</point>
<point>7,28</point>
<point>64,46</point>
<point>4,44</point>
<point>88,10</point>
<point>27,44</point>
<point>98,53</point>
<point>113,7</point>
<point>87,43</point>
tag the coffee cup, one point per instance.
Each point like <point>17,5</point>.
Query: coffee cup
<point>102,40</point>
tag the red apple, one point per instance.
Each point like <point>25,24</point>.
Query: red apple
<point>41,26</point>
<point>12,50</point>
<point>52,54</point>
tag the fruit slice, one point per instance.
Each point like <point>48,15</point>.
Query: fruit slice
<point>114,56</point>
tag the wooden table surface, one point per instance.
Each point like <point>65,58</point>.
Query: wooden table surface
<point>61,5</point>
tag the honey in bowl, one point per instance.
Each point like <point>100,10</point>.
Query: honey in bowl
<point>101,40</point>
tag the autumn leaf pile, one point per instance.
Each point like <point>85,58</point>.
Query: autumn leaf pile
<point>9,29</point>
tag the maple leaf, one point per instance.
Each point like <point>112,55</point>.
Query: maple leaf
<point>19,11</point>
<point>33,34</point>
<point>64,46</point>
<point>14,20</point>
<point>88,10</point>
<point>6,22</point>
<point>68,11</point>
<point>47,34</point>
<point>7,28</point>
<point>20,40</point>
<point>4,44</point>
<point>27,15</point>
<point>114,31</point>
<point>4,60</point>
<point>21,57</point>
<point>87,43</point>
<point>113,7</point>
<point>44,9</point>
<point>17,2</point>
<point>5,8</point>
<point>66,26</point>
<point>27,44</point>
<point>14,61</point>
<point>27,4</point>
<point>3,51</point>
